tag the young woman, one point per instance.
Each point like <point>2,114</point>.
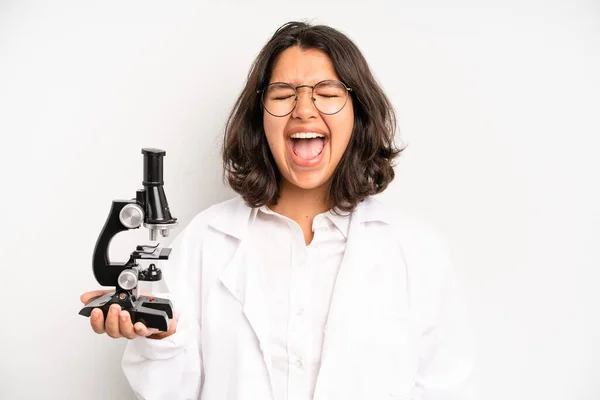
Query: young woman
<point>304,286</point>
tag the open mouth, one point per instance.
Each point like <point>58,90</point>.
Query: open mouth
<point>307,146</point>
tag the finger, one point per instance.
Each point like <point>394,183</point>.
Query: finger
<point>89,296</point>
<point>152,331</point>
<point>112,321</point>
<point>97,320</point>
<point>125,325</point>
<point>142,330</point>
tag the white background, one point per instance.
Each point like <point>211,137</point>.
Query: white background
<point>499,103</point>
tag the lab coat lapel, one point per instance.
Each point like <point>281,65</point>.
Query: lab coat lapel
<point>344,292</point>
<point>242,280</point>
<point>347,299</point>
<point>363,251</point>
<point>241,276</point>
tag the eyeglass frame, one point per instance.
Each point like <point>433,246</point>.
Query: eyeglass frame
<point>312,96</point>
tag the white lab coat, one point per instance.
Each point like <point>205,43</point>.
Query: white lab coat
<point>397,326</point>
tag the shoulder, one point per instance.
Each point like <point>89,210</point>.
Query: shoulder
<point>404,225</point>
<point>223,213</point>
<point>421,251</point>
<point>226,217</point>
<point>227,207</point>
<point>421,244</point>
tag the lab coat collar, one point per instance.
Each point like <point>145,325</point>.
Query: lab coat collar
<point>341,221</point>
<point>236,216</point>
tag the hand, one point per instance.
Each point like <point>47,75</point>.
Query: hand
<point>118,322</point>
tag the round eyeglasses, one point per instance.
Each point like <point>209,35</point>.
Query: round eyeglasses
<point>280,98</point>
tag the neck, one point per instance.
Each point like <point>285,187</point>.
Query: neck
<point>301,204</point>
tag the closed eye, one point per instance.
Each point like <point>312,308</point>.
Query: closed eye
<point>282,97</point>
<point>328,96</point>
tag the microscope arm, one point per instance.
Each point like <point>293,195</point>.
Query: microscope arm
<point>105,272</point>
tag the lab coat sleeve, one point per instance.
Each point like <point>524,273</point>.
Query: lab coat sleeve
<point>447,349</point>
<point>171,368</point>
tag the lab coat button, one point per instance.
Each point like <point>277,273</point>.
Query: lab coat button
<point>300,312</point>
<point>299,363</point>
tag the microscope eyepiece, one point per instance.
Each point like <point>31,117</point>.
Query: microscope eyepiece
<point>158,217</point>
<point>153,167</point>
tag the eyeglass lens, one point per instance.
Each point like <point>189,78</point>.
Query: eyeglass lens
<point>329,97</point>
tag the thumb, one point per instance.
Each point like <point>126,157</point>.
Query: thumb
<point>89,296</point>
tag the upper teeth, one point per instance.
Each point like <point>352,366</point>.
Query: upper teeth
<point>306,135</point>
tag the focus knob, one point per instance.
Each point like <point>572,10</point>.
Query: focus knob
<point>128,280</point>
<point>131,216</point>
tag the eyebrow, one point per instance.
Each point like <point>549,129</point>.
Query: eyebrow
<point>297,83</point>
<point>330,80</point>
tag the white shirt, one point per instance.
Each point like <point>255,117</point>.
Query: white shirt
<point>298,280</point>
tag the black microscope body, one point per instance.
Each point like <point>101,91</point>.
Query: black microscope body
<point>150,209</point>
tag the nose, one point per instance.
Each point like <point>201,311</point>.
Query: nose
<point>305,108</point>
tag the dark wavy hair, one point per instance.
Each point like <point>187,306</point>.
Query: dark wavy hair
<point>366,168</point>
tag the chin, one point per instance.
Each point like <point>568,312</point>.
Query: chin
<point>309,180</point>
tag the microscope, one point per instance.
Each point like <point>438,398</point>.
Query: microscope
<point>150,209</point>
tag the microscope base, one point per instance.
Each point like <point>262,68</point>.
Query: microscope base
<point>153,312</point>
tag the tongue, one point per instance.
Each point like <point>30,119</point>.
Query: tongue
<point>307,149</point>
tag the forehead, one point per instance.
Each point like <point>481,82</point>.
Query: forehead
<point>299,67</point>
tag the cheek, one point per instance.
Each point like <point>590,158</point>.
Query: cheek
<point>273,130</point>
<point>341,144</point>
<point>341,131</point>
